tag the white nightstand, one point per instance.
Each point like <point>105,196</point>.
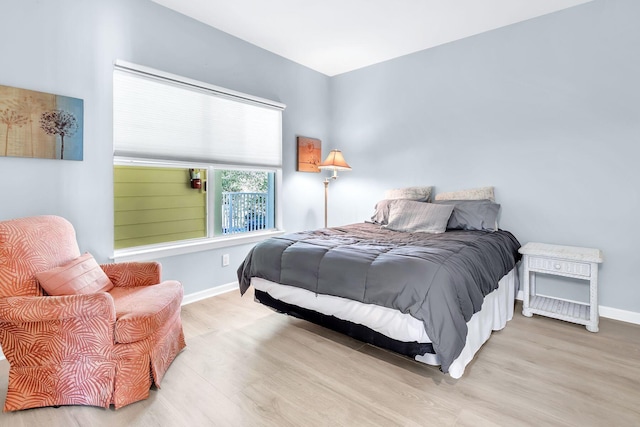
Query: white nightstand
<point>567,261</point>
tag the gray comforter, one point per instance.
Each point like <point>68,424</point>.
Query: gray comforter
<point>440,279</point>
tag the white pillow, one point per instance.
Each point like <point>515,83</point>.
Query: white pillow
<point>420,194</point>
<point>481,193</point>
<point>418,217</point>
<point>381,212</point>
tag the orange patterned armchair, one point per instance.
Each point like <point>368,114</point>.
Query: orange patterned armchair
<point>88,347</point>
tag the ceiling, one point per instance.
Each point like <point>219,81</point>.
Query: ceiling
<point>336,36</point>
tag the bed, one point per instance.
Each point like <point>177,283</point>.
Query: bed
<point>431,292</point>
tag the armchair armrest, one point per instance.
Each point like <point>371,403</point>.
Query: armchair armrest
<point>43,331</point>
<point>56,308</point>
<point>128,274</point>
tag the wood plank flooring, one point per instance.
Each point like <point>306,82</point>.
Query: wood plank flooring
<point>246,365</point>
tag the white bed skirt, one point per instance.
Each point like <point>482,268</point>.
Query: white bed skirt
<point>497,309</point>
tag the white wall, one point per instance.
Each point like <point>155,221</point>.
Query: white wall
<point>547,111</point>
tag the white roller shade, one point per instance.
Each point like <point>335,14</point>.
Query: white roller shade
<point>162,116</point>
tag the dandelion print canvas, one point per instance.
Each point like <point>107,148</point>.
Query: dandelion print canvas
<point>38,124</point>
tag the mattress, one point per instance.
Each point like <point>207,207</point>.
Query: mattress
<point>402,329</point>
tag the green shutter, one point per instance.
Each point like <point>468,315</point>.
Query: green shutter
<point>157,205</point>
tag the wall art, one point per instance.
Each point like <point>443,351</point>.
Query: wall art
<point>309,152</point>
<point>38,124</point>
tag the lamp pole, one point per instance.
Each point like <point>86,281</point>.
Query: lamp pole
<point>326,193</point>
<point>334,161</point>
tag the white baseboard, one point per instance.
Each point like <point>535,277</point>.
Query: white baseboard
<point>609,312</point>
<point>617,314</point>
<point>211,292</point>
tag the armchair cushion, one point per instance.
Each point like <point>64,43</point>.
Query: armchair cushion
<point>142,310</point>
<point>82,275</point>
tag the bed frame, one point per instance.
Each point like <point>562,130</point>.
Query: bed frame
<point>496,310</point>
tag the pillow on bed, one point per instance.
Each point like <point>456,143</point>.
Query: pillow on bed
<point>480,193</point>
<point>417,217</point>
<point>381,212</point>
<point>420,194</point>
<point>472,214</point>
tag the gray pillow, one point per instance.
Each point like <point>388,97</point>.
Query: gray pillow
<point>472,214</point>
<point>418,217</point>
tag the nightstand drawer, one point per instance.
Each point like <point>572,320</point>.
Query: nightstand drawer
<point>560,266</point>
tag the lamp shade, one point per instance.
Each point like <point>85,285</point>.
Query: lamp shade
<point>335,161</point>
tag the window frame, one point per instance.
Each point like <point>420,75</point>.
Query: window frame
<point>121,157</point>
<point>210,242</point>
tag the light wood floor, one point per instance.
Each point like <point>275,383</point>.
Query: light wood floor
<point>245,365</point>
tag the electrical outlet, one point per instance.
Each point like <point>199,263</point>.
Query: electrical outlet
<point>225,260</point>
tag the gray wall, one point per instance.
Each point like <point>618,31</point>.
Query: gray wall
<point>547,111</point>
<point>68,47</point>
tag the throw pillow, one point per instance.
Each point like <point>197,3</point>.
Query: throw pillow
<point>82,275</point>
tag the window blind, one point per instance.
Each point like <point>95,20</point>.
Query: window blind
<point>158,115</point>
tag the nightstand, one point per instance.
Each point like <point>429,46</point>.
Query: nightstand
<point>566,261</point>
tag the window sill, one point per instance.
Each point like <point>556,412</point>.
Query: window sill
<point>167,250</point>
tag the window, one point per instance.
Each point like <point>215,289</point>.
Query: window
<point>246,200</point>
<point>194,164</point>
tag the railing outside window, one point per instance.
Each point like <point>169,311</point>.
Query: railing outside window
<point>242,212</point>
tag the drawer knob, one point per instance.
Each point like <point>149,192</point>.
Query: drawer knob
<point>557,266</point>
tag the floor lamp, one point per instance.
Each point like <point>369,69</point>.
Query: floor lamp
<point>334,162</point>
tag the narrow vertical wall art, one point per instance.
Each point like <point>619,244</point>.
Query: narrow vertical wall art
<point>38,124</point>
<point>309,152</point>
